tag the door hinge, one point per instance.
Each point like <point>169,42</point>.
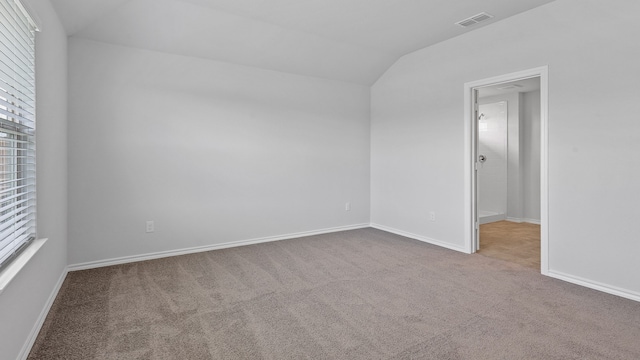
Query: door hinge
<point>475,166</point>
<point>477,226</point>
<point>476,106</point>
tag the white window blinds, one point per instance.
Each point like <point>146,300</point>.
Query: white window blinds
<point>17,129</point>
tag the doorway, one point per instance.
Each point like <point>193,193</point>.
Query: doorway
<point>498,169</point>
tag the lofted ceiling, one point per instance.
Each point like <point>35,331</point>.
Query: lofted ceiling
<point>347,40</point>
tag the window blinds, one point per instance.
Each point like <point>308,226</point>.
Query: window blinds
<point>17,129</point>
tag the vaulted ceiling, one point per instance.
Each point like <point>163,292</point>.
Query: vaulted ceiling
<point>346,40</point>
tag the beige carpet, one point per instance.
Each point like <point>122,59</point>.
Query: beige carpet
<point>362,294</point>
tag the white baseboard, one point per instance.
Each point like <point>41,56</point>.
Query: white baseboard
<point>491,218</point>
<point>530,221</point>
<point>420,238</point>
<point>24,353</point>
<point>169,253</point>
<point>632,295</point>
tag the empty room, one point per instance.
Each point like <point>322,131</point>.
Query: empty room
<point>353,179</point>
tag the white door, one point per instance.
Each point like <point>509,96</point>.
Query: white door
<point>492,159</point>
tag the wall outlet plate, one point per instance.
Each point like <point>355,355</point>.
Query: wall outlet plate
<point>150,226</point>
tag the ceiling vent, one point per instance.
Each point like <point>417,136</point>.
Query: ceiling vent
<point>474,19</point>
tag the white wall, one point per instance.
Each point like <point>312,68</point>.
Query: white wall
<point>212,152</point>
<point>22,302</point>
<point>531,155</point>
<point>594,136</point>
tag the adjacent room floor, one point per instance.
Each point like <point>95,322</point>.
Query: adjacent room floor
<point>361,294</point>
<point>510,241</point>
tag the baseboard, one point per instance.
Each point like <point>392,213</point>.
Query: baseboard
<point>632,295</point>
<point>192,250</point>
<point>491,218</point>
<point>420,238</point>
<point>24,353</point>
<point>530,221</point>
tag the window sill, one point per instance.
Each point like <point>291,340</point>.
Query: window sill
<point>7,274</point>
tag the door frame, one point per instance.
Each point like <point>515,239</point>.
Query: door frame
<point>471,154</point>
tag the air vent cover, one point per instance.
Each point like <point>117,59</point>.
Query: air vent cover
<point>474,19</point>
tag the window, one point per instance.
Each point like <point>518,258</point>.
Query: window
<point>17,130</point>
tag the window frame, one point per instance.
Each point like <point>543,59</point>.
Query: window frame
<point>18,210</point>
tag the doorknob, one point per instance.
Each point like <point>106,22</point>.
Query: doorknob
<point>482,158</point>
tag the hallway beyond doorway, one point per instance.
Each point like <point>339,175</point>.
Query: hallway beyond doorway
<point>511,241</point>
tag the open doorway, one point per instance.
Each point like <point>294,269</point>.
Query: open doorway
<point>508,175</point>
<point>506,167</point>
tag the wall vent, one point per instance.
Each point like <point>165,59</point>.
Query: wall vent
<point>474,19</point>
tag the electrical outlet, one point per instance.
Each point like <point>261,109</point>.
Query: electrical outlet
<point>432,216</point>
<point>347,206</point>
<point>150,226</point>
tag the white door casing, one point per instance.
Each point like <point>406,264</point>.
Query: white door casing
<point>471,156</point>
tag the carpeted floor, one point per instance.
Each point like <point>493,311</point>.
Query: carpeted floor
<point>362,294</point>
